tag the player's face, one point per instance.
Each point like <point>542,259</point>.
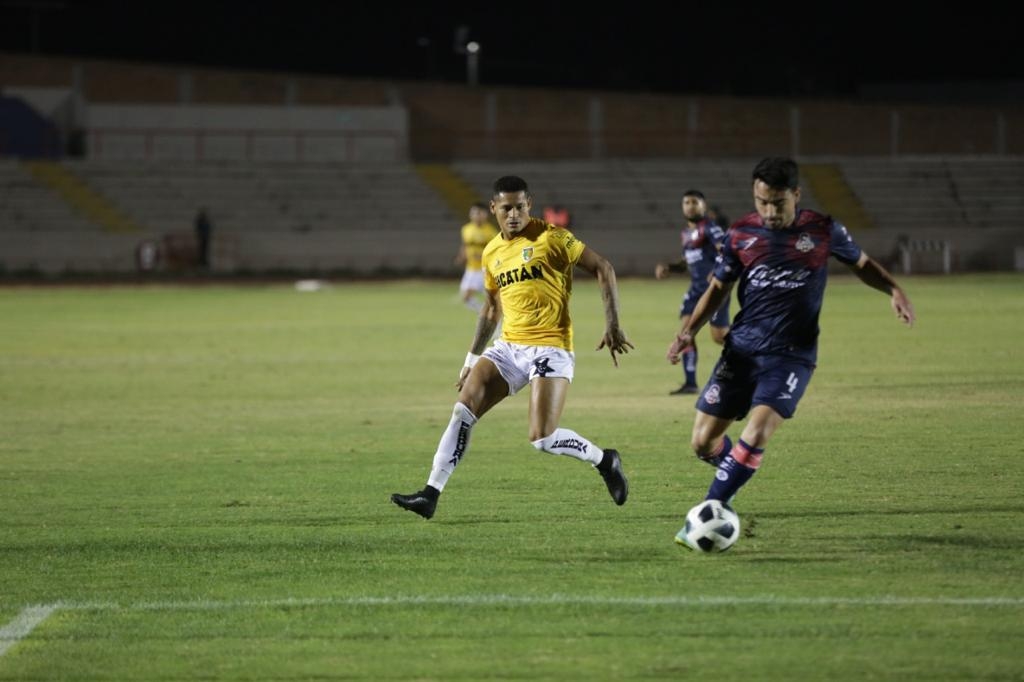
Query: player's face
<point>693,208</point>
<point>777,207</point>
<point>477,215</point>
<point>512,210</point>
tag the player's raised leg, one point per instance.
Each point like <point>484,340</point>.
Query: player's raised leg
<point>547,399</point>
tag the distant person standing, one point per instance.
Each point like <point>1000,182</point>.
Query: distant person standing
<point>702,239</point>
<point>558,215</point>
<point>204,230</point>
<point>475,236</point>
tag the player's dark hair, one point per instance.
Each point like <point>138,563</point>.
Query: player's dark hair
<point>481,205</point>
<point>777,172</point>
<point>694,193</point>
<point>510,184</point>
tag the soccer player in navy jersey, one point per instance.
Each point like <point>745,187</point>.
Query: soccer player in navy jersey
<point>779,255</point>
<point>702,238</point>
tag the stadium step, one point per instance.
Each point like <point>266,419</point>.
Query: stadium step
<point>80,196</point>
<point>829,186</point>
<point>457,194</point>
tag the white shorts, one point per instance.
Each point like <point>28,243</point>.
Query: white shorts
<point>472,280</point>
<point>518,365</point>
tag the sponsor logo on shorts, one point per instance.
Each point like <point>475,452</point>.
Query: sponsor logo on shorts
<point>542,368</point>
<point>713,394</point>
<point>784,396</point>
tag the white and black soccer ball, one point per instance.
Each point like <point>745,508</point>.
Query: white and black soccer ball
<point>710,527</point>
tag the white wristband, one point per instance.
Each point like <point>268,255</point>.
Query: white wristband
<point>471,359</point>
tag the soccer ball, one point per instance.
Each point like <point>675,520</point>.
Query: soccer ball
<point>710,527</point>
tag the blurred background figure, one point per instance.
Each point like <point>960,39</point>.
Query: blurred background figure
<point>204,230</point>
<point>558,215</point>
<point>701,241</point>
<point>475,235</point>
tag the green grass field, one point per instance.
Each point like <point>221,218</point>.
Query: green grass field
<point>194,485</point>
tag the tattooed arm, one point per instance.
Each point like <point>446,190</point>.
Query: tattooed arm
<point>614,338</point>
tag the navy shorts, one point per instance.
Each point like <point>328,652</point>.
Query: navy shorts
<point>740,382</point>
<point>719,319</point>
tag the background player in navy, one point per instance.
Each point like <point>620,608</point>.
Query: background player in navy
<point>779,255</point>
<point>701,238</point>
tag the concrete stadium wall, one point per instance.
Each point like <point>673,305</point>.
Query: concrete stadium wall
<point>449,122</point>
<point>246,133</point>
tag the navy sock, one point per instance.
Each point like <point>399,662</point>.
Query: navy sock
<point>690,367</point>
<point>735,470</point>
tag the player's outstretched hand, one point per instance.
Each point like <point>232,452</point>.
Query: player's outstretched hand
<point>616,342</point>
<point>903,308</point>
<point>679,345</point>
<point>463,375</point>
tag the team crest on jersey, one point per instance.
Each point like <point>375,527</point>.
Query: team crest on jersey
<point>527,254</point>
<point>804,243</point>
<point>713,394</point>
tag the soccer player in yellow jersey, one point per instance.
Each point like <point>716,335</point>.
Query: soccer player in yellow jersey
<point>475,235</point>
<point>528,280</point>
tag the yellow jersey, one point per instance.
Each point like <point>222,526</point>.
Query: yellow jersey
<point>532,273</point>
<point>475,238</point>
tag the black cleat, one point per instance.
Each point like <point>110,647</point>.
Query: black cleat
<point>685,389</point>
<point>610,469</point>
<point>423,502</point>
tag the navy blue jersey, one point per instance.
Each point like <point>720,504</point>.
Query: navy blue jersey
<point>700,249</point>
<point>782,276</point>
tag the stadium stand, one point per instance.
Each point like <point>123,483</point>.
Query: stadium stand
<point>617,161</point>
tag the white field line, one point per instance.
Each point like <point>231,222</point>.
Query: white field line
<point>26,621</point>
<point>543,600</point>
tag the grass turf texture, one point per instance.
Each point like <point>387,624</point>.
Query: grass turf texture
<point>177,463</point>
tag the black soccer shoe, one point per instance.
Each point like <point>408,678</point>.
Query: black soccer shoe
<point>422,502</point>
<point>610,469</point>
<point>685,389</point>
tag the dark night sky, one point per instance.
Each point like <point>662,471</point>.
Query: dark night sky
<point>660,47</point>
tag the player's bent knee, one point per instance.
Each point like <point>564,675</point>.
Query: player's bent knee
<point>701,441</point>
<point>701,448</point>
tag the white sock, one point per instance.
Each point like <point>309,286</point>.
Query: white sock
<point>452,447</point>
<point>568,442</point>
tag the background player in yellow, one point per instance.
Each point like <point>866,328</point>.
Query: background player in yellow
<point>475,235</point>
<point>528,279</point>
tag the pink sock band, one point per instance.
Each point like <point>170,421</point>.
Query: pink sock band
<point>746,455</point>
